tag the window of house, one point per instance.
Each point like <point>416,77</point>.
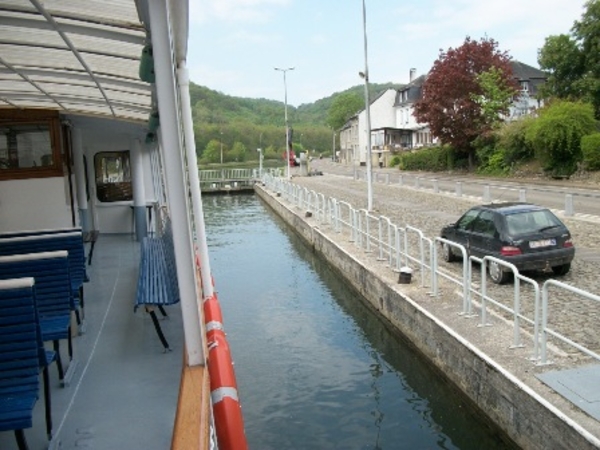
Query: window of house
<point>525,86</point>
<point>113,176</point>
<point>29,146</point>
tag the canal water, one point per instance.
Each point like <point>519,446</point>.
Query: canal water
<point>316,369</point>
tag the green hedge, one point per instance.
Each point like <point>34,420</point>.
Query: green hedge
<point>431,159</point>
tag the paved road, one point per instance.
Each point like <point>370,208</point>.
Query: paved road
<point>550,193</point>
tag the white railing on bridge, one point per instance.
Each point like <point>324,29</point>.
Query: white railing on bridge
<point>393,245</point>
<point>227,174</point>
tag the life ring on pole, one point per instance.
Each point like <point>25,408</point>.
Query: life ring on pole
<point>227,411</point>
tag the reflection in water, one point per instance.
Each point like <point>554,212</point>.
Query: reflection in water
<point>316,368</point>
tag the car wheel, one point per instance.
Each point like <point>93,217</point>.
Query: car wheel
<point>498,275</point>
<point>562,269</point>
<point>447,253</point>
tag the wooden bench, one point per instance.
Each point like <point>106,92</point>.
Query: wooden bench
<point>60,239</point>
<point>53,297</point>
<point>157,280</point>
<point>22,355</point>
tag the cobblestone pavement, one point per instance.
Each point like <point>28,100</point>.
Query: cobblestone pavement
<point>574,316</point>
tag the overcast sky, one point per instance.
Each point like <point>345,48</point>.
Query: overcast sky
<point>235,44</point>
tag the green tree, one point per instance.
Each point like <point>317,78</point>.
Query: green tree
<point>556,135</point>
<point>271,152</point>
<point>237,153</point>
<point>342,108</point>
<point>573,61</point>
<point>495,96</point>
<point>563,60</point>
<point>447,103</point>
<point>212,151</point>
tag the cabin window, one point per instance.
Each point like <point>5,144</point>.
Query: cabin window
<point>29,148</point>
<point>113,176</point>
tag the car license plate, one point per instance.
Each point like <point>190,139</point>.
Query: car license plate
<point>542,243</point>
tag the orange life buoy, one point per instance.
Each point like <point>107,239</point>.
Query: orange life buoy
<point>229,422</point>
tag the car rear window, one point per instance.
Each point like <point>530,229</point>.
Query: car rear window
<point>531,221</point>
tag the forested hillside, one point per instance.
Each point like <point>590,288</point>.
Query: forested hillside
<point>241,125</point>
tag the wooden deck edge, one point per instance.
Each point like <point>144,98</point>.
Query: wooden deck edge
<point>192,421</point>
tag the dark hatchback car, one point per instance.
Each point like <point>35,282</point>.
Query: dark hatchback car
<point>530,237</point>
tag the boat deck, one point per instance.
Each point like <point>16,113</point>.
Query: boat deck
<point>124,390</point>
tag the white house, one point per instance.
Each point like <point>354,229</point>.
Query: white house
<point>353,135</point>
<point>530,79</point>
<point>394,127</point>
<point>409,133</point>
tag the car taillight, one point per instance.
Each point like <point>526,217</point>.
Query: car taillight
<point>568,243</point>
<point>509,250</point>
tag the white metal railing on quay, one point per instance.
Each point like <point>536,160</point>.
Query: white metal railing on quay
<point>321,208</point>
<point>366,229</point>
<point>304,198</point>
<point>386,229</point>
<point>465,283</point>
<point>545,330</point>
<point>516,308</point>
<point>331,211</point>
<point>339,215</point>
<point>421,258</point>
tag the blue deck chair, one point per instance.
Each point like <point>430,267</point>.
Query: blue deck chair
<point>22,355</point>
<point>53,296</point>
<point>60,239</point>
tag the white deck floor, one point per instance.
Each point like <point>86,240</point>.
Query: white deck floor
<point>124,391</point>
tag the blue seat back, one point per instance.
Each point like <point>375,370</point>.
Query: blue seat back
<point>52,278</point>
<point>69,241</point>
<point>20,339</point>
<point>23,233</point>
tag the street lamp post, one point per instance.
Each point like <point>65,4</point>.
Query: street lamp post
<point>260,156</point>
<point>365,75</point>
<point>287,130</point>
<point>221,143</point>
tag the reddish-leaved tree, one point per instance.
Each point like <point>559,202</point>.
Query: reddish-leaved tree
<point>447,104</point>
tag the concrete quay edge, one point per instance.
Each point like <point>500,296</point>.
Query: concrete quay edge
<point>522,412</point>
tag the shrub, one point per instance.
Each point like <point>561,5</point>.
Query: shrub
<point>556,135</point>
<point>395,161</point>
<point>495,164</point>
<point>512,141</point>
<point>590,148</point>
<point>432,159</point>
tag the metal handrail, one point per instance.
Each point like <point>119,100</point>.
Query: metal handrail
<point>545,331</point>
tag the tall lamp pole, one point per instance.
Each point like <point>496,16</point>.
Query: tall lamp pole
<point>260,156</point>
<point>221,144</point>
<point>365,75</point>
<point>287,130</point>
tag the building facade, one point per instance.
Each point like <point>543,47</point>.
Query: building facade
<point>394,128</point>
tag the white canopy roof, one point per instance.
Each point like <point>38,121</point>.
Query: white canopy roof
<point>80,57</point>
